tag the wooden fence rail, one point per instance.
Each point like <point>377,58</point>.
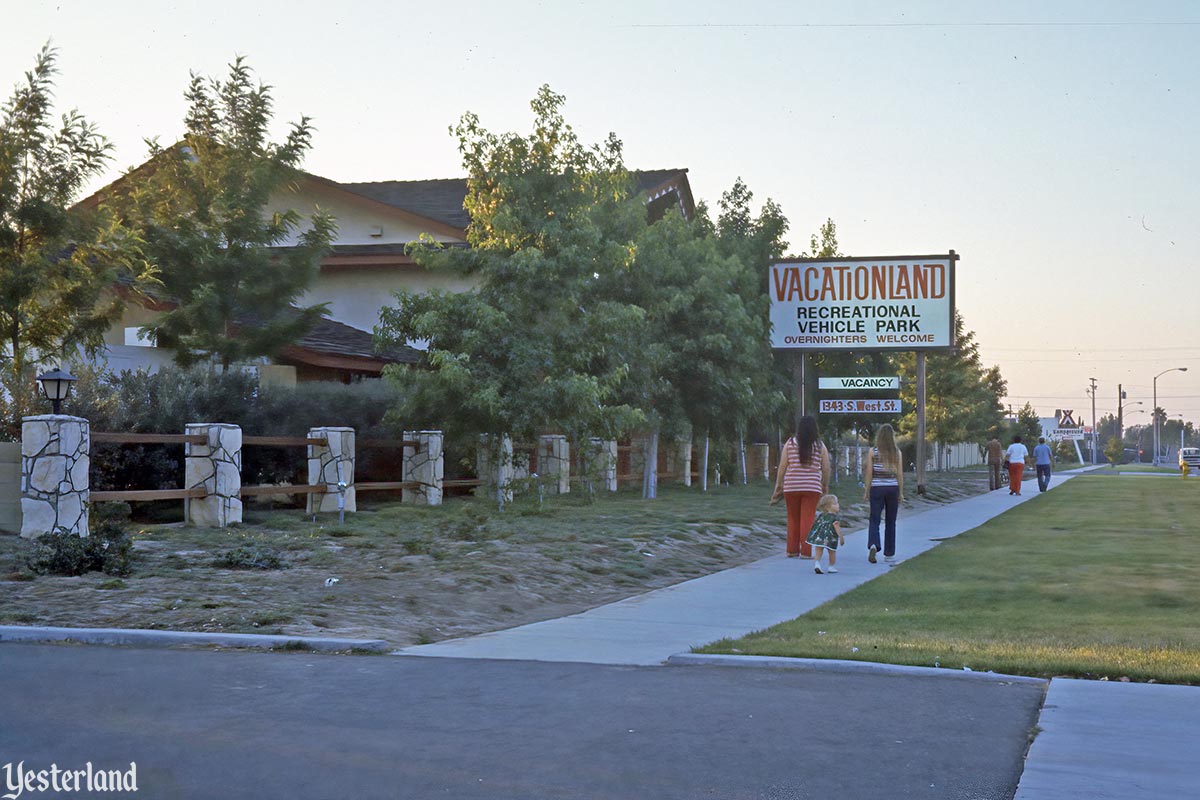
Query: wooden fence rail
<point>149,438</point>
<point>146,494</point>
<point>283,441</point>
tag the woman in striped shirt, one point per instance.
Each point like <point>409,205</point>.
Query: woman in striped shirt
<point>883,479</point>
<point>802,478</point>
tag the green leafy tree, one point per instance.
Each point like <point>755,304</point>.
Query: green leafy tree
<point>233,267</point>
<point>1029,425</point>
<point>58,262</point>
<point>536,345</point>
<point>754,242</point>
<point>962,397</point>
<point>704,354</point>
<point>1114,451</point>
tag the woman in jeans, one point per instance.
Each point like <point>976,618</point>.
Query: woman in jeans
<point>883,477</point>
<point>802,478</point>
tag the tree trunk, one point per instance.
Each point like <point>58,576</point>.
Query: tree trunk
<point>650,468</point>
<point>742,455</point>
<point>704,467</point>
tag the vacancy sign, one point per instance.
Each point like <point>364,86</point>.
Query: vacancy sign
<point>883,303</point>
<point>859,383</point>
<point>891,406</point>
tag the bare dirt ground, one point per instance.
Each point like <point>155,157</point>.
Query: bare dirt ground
<point>410,575</point>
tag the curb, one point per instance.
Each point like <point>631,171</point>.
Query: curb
<point>146,638</point>
<point>842,666</point>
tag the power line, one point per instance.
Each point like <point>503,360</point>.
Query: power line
<point>1048,24</point>
<point>1079,360</point>
<point>1084,349</point>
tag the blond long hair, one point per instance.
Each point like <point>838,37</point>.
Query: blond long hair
<point>889,453</point>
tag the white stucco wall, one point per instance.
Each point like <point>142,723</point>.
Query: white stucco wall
<point>356,296</point>
<point>356,217</point>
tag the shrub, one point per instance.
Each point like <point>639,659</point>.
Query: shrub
<point>106,550</point>
<point>164,402</point>
<point>249,556</point>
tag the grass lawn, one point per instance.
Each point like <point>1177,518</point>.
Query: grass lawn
<point>1171,468</point>
<point>1097,579</point>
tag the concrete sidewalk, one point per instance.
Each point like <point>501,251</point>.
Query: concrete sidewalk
<point>650,628</point>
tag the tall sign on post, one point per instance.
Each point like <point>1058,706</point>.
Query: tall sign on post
<point>867,304</point>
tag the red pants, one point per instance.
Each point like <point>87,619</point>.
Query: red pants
<point>1015,468</point>
<point>801,511</point>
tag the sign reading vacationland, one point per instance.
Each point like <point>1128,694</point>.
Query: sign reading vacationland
<point>1067,433</point>
<point>859,383</point>
<point>888,406</point>
<point>883,303</point>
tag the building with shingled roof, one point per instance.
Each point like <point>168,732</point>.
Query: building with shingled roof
<point>367,263</point>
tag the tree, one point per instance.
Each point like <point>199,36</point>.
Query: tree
<point>1114,451</point>
<point>705,354</point>
<point>1029,425</point>
<point>754,243</point>
<point>232,269</point>
<point>57,261</point>
<point>962,397</point>
<point>537,345</point>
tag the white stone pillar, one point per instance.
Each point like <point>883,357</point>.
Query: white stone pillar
<point>602,462</point>
<point>554,462</point>
<point>54,474</point>
<point>685,459</point>
<point>331,464</point>
<point>425,464</point>
<point>216,467</point>
<point>495,469</point>
<point>762,460</point>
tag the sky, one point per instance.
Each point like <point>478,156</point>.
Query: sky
<point>1053,146</point>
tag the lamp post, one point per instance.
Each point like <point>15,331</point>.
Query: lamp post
<point>56,387</point>
<point>1156,377</point>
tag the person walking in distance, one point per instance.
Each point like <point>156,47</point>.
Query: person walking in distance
<point>826,533</point>
<point>1016,455</point>
<point>802,478</point>
<point>883,482</point>
<point>1043,458</point>
<point>995,457</point>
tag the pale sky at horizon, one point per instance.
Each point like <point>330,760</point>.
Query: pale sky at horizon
<point>1054,148</point>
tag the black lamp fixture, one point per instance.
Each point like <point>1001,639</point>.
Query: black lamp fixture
<point>56,386</point>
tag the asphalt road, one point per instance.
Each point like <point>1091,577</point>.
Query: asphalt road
<point>204,724</point>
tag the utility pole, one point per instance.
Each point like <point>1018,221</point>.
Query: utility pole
<point>921,422</point>
<point>1095,424</point>
<point>1120,420</point>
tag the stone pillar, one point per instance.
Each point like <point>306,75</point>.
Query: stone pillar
<point>54,474</point>
<point>601,463</point>
<point>685,460</point>
<point>216,467</point>
<point>495,469</point>
<point>331,464</point>
<point>761,460</point>
<point>425,464</point>
<point>554,463</point>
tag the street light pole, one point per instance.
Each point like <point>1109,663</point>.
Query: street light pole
<point>1155,412</point>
